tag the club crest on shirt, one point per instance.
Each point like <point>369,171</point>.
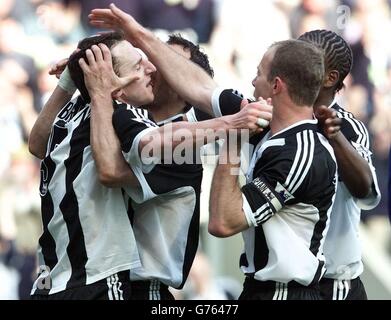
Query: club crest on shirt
<point>283,193</point>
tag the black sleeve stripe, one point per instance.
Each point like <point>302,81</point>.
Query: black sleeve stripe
<point>302,162</point>
<point>263,214</point>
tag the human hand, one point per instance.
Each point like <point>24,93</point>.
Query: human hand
<point>328,121</point>
<point>116,19</point>
<point>58,68</point>
<point>99,76</point>
<point>251,114</point>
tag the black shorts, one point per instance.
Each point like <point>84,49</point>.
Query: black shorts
<point>150,290</point>
<point>114,287</point>
<point>271,290</point>
<point>333,289</point>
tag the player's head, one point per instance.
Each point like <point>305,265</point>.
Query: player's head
<point>127,61</point>
<point>338,56</point>
<point>163,92</point>
<point>196,55</point>
<point>292,67</point>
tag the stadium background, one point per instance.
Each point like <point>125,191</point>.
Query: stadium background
<point>34,34</point>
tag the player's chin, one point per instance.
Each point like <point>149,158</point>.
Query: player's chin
<point>149,97</point>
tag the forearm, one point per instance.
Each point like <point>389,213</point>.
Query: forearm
<point>113,170</point>
<point>353,169</point>
<point>185,77</point>
<point>226,216</point>
<point>188,134</point>
<point>40,132</point>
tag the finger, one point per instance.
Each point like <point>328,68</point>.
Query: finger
<point>101,12</point>
<point>102,24</point>
<point>269,101</point>
<point>119,13</point>
<point>83,65</point>
<point>53,70</point>
<point>243,103</point>
<point>124,81</point>
<point>97,53</point>
<point>265,115</point>
<point>333,130</point>
<point>62,63</point>
<point>90,57</point>
<point>105,52</point>
<point>261,107</point>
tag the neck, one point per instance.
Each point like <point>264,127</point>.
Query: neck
<point>288,113</point>
<point>325,98</point>
<point>166,110</point>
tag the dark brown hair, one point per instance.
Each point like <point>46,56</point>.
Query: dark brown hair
<point>110,39</point>
<point>301,66</point>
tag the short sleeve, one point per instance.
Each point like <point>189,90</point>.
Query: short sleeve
<point>196,115</point>
<point>130,125</point>
<point>357,134</point>
<point>265,195</point>
<point>226,101</point>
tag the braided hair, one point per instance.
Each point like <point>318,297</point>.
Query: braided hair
<point>338,54</point>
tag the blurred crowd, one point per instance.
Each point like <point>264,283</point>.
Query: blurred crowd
<point>34,34</point>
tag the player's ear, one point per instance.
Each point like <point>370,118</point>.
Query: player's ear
<point>277,85</point>
<point>331,78</point>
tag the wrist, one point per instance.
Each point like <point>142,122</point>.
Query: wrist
<point>335,139</point>
<point>66,82</point>
<point>99,97</point>
<point>141,37</point>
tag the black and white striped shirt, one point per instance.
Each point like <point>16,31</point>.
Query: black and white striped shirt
<point>291,182</point>
<point>342,245</point>
<point>164,209</point>
<point>87,235</point>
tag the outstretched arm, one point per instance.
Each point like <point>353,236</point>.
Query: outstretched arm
<point>200,133</point>
<point>190,81</point>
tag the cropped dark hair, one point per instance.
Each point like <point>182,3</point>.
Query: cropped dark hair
<point>196,55</point>
<point>301,66</point>
<point>110,39</point>
<point>338,54</point>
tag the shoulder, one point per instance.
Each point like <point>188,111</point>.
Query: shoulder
<point>124,112</point>
<point>352,128</point>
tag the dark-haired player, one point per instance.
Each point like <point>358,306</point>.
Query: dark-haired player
<point>357,185</point>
